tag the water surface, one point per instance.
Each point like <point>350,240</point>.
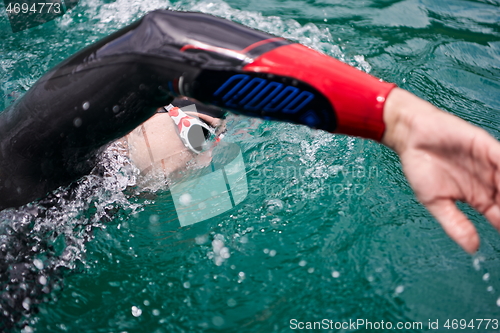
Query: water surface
<point>330,228</point>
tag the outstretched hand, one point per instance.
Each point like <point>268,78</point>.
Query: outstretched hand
<point>445,159</point>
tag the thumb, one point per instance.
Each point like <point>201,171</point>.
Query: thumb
<point>455,224</point>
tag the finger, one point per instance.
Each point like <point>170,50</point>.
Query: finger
<point>493,215</point>
<point>455,224</point>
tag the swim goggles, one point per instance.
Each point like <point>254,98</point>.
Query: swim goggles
<point>194,133</point>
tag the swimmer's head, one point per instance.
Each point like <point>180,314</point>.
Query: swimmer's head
<point>168,143</point>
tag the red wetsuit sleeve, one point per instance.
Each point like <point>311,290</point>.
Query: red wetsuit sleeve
<point>357,98</point>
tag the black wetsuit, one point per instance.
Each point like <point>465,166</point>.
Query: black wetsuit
<point>54,134</point>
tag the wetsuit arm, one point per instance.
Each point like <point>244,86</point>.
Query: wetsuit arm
<point>52,136</point>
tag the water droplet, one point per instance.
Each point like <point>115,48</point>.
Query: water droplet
<point>380,99</point>
<point>231,302</point>
<point>38,263</point>
<point>201,239</point>
<point>185,199</point>
<point>224,253</point>
<point>86,105</point>
<point>77,122</point>
<point>274,205</point>
<point>136,312</point>
<point>43,280</point>
<point>27,329</point>
<point>477,262</point>
<point>217,245</point>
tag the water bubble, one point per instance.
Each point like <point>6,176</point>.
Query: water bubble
<point>266,251</point>
<point>498,301</point>
<point>486,277</point>
<point>490,289</point>
<point>310,270</point>
<point>217,245</point>
<point>136,312</point>
<point>156,312</point>
<point>224,253</point>
<point>218,261</point>
<point>231,302</point>
<point>218,321</point>
<point>27,329</point>
<point>185,199</point>
<point>86,105</point>
<point>153,219</point>
<point>272,253</point>
<point>336,274</point>
<point>38,263</point>
<point>26,303</point>
<point>116,108</point>
<point>186,284</point>
<point>146,302</point>
<point>302,263</point>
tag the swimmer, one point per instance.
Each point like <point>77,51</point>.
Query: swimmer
<point>146,146</point>
<point>56,132</point>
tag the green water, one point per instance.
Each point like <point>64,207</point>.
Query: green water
<point>330,228</point>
